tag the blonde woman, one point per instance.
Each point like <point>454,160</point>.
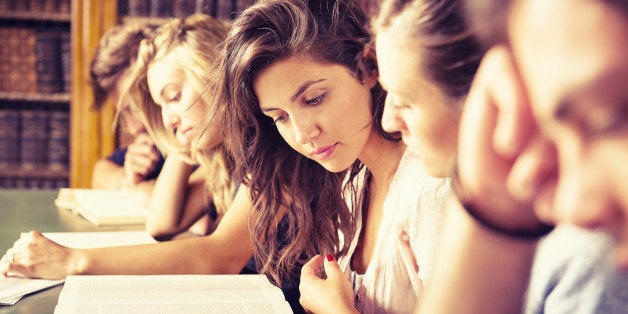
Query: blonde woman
<point>167,87</point>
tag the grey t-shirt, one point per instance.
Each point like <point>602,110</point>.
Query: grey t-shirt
<point>573,272</point>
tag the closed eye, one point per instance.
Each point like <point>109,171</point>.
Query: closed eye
<point>316,100</point>
<point>280,118</point>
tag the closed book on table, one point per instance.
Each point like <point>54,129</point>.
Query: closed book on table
<point>104,207</point>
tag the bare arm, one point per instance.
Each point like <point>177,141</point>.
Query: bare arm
<point>477,271</point>
<point>179,198</point>
<point>225,251</point>
<point>480,270</point>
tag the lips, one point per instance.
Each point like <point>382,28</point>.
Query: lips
<point>324,152</point>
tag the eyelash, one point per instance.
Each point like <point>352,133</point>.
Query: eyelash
<point>174,98</point>
<point>309,102</point>
<point>316,100</point>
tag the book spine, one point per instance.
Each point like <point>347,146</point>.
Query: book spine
<point>139,7</point>
<point>64,6</point>
<point>9,137</point>
<point>48,55</point>
<point>224,9</point>
<point>35,5</point>
<point>161,8</point>
<point>183,8</point>
<point>66,60</point>
<point>5,69</point>
<point>240,6</point>
<point>33,138</point>
<point>58,143</point>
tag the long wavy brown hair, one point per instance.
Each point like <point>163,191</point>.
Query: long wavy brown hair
<point>299,209</point>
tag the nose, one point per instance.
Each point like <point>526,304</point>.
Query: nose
<point>391,122</point>
<point>171,118</point>
<point>304,129</point>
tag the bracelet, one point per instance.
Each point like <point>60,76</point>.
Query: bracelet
<point>517,234</point>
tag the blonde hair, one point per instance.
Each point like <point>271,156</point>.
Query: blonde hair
<point>193,41</point>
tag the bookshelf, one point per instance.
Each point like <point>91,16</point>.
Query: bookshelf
<point>35,85</point>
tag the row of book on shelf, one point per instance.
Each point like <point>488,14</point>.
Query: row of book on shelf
<point>48,6</point>
<point>35,58</point>
<point>34,137</point>
<point>221,9</point>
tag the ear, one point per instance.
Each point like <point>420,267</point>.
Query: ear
<point>369,66</point>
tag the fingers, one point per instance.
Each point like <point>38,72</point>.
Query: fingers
<point>533,166</point>
<point>514,121</point>
<point>312,268</point>
<point>332,270</point>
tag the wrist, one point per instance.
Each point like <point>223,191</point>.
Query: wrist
<point>78,263</point>
<point>513,228</point>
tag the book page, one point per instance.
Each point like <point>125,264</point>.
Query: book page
<point>252,307</point>
<point>84,240</point>
<point>103,207</point>
<point>248,293</point>
<point>13,288</point>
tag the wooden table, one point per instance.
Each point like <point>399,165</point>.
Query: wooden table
<point>25,210</point>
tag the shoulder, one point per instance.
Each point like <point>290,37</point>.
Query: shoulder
<point>573,272</point>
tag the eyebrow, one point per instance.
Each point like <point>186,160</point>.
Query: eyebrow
<point>299,91</point>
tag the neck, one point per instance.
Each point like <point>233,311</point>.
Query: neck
<point>381,157</point>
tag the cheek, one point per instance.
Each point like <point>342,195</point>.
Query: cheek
<point>288,136</point>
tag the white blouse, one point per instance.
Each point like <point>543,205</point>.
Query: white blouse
<point>414,205</point>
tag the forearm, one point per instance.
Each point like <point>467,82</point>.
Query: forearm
<point>167,214</point>
<point>203,255</point>
<point>478,271</point>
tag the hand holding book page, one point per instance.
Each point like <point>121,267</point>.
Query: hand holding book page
<point>103,207</point>
<point>13,288</point>
<point>171,294</point>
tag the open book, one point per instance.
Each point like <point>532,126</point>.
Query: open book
<point>103,207</point>
<point>171,294</point>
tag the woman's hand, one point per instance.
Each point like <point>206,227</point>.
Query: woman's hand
<point>35,256</point>
<point>502,158</point>
<point>332,294</point>
<point>141,159</point>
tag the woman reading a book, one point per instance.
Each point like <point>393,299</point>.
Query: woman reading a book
<point>303,109</point>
